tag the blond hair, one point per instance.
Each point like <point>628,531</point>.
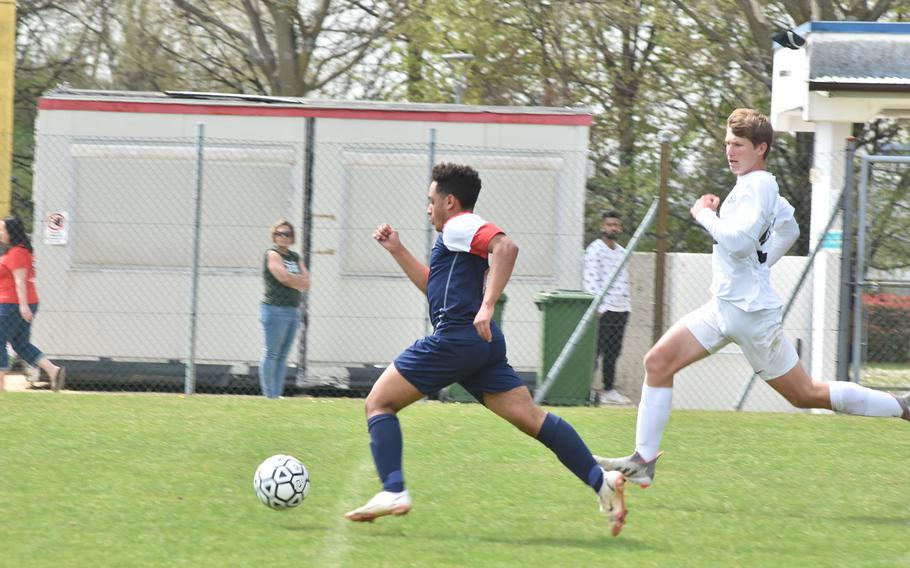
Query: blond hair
<point>283,223</point>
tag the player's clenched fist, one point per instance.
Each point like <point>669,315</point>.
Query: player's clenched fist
<point>707,201</point>
<point>387,236</point>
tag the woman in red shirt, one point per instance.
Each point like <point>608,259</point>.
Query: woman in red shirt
<point>19,302</point>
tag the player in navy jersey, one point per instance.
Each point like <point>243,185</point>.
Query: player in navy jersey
<point>470,264</point>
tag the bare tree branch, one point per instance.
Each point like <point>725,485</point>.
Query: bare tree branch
<point>208,19</point>
<point>744,63</point>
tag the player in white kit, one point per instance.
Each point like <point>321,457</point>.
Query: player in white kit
<point>751,231</point>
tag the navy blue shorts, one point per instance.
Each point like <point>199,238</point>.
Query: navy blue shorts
<point>437,361</point>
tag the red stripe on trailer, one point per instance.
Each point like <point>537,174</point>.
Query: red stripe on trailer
<point>342,113</point>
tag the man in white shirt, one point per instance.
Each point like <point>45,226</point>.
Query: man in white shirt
<point>752,230</point>
<point>601,258</point>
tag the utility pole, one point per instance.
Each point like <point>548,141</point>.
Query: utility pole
<point>458,61</point>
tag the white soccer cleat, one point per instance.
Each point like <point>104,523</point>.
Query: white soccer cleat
<point>382,504</point>
<point>612,500</point>
<point>634,467</point>
<point>904,401</point>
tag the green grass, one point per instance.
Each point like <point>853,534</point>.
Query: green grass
<point>160,480</point>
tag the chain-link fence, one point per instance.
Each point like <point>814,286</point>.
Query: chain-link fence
<point>364,310</point>
<point>881,333</point>
<point>116,261</point>
<point>115,236</point>
<point>116,230</point>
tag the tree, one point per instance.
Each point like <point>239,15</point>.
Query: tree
<point>56,43</point>
<point>265,46</point>
<point>505,68</point>
<point>610,48</point>
<point>275,47</point>
<point>641,66</point>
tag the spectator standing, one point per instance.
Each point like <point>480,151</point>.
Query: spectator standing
<point>602,257</point>
<point>284,278</point>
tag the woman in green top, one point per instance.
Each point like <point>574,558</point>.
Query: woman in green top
<point>285,278</point>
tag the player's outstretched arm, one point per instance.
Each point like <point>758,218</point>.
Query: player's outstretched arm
<point>415,270</point>
<point>503,253</point>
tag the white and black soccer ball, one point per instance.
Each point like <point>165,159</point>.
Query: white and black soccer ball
<point>281,482</point>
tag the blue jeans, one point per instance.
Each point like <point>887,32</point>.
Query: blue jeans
<point>17,331</point>
<point>280,324</point>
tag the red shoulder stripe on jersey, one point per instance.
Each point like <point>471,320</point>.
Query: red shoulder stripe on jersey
<point>480,244</point>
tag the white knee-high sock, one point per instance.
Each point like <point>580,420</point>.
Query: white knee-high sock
<point>653,413</point>
<point>854,399</point>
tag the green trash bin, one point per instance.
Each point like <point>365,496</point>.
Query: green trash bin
<point>456,392</point>
<point>561,310</point>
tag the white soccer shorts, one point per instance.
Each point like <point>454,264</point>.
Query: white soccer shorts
<point>759,334</point>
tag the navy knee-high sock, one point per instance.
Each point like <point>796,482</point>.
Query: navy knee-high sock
<point>386,445</point>
<point>564,441</point>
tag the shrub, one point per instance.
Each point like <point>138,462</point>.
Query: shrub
<point>888,321</point>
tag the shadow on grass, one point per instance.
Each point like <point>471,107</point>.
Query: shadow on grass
<point>894,521</point>
<point>606,542</point>
<point>309,528</point>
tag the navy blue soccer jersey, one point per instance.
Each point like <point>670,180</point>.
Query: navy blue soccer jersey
<point>458,268</point>
<point>455,352</point>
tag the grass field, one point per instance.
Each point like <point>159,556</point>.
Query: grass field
<point>160,480</point>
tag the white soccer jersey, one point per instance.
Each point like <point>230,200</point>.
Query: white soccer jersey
<point>600,261</point>
<point>753,229</point>
<point>784,233</point>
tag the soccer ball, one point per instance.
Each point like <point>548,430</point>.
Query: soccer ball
<point>281,482</point>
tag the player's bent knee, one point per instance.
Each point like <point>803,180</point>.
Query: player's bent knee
<point>375,404</point>
<point>658,366</point>
<point>810,398</point>
<point>800,401</point>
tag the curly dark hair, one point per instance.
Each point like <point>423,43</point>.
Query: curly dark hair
<point>16,231</point>
<point>459,180</point>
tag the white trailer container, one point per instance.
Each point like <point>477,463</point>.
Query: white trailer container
<point>113,193</point>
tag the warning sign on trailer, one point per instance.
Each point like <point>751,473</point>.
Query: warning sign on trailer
<point>56,228</point>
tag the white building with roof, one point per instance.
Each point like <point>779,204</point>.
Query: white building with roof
<point>846,73</point>
<point>119,166</point>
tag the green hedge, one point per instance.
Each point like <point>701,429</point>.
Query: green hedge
<point>888,320</point>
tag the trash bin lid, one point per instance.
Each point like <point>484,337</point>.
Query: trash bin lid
<point>562,296</point>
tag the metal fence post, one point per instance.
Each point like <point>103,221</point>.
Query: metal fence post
<point>846,258</point>
<point>660,260</point>
<point>860,270</point>
<point>431,161</point>
<point>309,161</point>
<point>189,381</point>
